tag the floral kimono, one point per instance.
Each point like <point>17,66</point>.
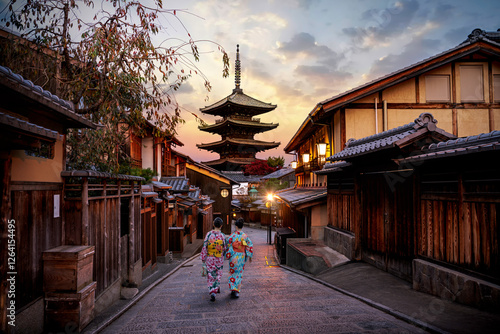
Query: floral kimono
<point>240,248</point>
<point>214,249</point>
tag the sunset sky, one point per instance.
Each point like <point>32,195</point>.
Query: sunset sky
<point>296,53</point>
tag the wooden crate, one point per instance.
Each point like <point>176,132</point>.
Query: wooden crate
<point>70,312</point>
<point>67,268</point>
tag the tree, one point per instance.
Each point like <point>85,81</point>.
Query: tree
<point>258,167</point>
<point>110,68</point>
<point>278,162</point>
<point>272,185</point>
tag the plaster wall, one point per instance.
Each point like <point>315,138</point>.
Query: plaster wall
<point>399,117</point>
<point>147,153</point>
<point>369,99</point>
<point>33,169</point>
<point>400,93</point>
<point>336,133</point>
<point>472,122</point>
<point>319,219</point>
<point>360,123</point>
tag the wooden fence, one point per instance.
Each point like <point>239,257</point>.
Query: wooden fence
<point>104,211</point>
<point>459,220</point>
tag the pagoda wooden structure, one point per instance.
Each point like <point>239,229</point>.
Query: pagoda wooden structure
<point>237,127</point>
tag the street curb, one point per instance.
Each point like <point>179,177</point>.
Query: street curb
<point>139,296</point>
<point>422,325</point>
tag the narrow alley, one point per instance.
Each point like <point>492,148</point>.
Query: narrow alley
<point>272,300</point>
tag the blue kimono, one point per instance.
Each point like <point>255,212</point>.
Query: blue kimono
<point>240,248</point>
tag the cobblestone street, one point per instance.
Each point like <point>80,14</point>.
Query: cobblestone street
<point>272,300</point>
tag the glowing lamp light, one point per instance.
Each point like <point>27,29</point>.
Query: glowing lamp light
<point>305,158</point>
<point>269,197</point>
<point>293,164</point>
<point>321,149</point>
<point>224,193</point>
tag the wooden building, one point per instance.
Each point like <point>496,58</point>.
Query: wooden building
<point>33,125</point>
<point>422,205</point>
<point>217,186</point>
<point>237,128</point>
<point>150,150</point>
<point>460,87</point>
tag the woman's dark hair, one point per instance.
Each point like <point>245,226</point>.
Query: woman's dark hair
<point>218,222</point>
<point>239,223</point>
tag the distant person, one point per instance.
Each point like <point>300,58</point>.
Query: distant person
<point>240,249</point>
<point>212,255</point>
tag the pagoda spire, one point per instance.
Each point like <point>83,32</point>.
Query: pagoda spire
<point>237,70</point>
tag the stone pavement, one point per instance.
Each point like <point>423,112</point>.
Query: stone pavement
<point>272,300</point>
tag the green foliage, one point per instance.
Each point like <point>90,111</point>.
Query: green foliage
<point>278,161</point>
<point>109,66</point>
<point>271,186</point>
<point>146,173</point>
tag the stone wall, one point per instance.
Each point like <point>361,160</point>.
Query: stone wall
<point>340,241</point>
<point>455,286</point>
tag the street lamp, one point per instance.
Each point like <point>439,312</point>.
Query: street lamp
<point>293,164</point>
<point>253,193</point>
<point>322,152</point>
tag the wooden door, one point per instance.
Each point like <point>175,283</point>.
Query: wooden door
<point>387,224</point>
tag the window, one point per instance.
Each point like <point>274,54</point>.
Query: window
<point>496,87</point>
<point>437,88</point>
<point>471,83</point>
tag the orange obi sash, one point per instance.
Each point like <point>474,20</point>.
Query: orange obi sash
<point>239,247</point>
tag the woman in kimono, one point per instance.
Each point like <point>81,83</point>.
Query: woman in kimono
<point>212,255</point>
<point>240,249</point>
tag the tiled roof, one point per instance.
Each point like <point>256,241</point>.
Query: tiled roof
<point>331,167</point>
<point>101,175</point>
<point>387,139</point>
<point>241,99</point>
<point>240,141</point>
<point>45,97</point>
<point>479,34</point>
<point>213,170</point>
<point>184,200</point>
<point>239,176</point>
<point>22,125</point>
<point>195,194</point>
<point>236,161</point>
<point>178,183</point>
<point>230,122</point>
<point>465,145</point>
<point>161,185</point>
<point>297,196</point>
<point>279,173</point>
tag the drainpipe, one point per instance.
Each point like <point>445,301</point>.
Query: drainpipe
<point>376,116</point>
<point>385,115</point>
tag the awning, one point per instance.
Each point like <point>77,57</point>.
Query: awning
<point>161,185</point>
<point>301,196</point>
<point>148,194</point>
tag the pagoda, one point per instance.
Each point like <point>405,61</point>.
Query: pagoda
<point>237,127</point>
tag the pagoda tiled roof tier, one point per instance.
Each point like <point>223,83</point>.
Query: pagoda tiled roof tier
<point>238,102</point>
<point>257,145</point>
<point>234,161</point>
<point>254,126</point>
